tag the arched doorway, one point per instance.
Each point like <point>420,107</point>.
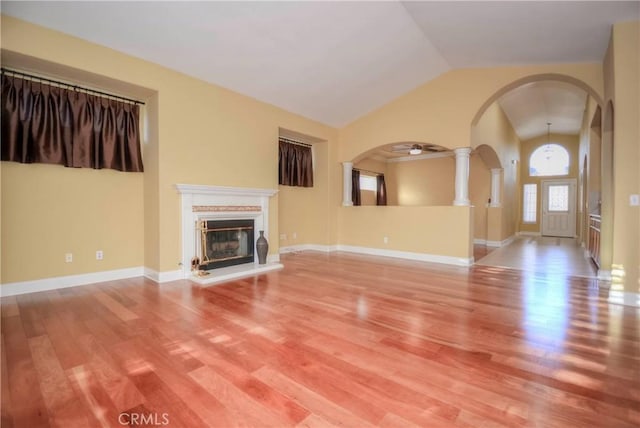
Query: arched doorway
<point>519,176</point>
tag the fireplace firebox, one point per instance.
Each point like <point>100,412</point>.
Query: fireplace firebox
<point>225,243</point>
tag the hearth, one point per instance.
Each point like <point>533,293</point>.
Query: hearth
<point>225,243</point>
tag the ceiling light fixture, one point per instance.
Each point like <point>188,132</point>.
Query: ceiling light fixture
<point>416,149</point>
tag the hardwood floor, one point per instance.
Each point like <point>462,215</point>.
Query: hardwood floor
<point>336,339</point>
<point>542,253</point>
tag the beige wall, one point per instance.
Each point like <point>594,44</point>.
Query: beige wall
<point>303,212</point>
<point>444,231</point>
<point>496,141</point>
<point>203,134</point>
<point>49,210</point>
<point>443,110</point>
<point>479,194</point>
<point>569,142</point>
<point>589,174</point>
<point>623,89</point>
<point>424,182</point>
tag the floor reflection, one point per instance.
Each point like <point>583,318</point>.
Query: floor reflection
<point>542,254</point>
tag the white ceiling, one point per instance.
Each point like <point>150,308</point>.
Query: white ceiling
<point>530,107</point>
<point>336,61</point>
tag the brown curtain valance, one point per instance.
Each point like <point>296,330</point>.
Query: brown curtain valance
<point>295,165</point>
<point>42,123</point>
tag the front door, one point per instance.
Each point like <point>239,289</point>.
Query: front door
<point>559,208</point>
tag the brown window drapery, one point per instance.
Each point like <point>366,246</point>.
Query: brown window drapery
<point>355,187</point>
<point>42,123</point>
<point>381,190</point>
<point>295,165</point>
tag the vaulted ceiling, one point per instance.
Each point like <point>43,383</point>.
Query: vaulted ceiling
<point>336,61</point>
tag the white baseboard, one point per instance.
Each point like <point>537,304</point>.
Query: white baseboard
<point>46,284</point>
<point>423,257</point>
<point>160,277</point>
<point>433,258</point>
<point>494,244</point>
<point>604,275</point>
<point>624,298</point>
<point>308,247</point>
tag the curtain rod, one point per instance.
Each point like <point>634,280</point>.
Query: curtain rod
<point>366,170</point>
<point>290,141</point>
<point>68,85</point>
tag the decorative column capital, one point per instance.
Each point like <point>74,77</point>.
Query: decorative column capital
<point>462,151</point>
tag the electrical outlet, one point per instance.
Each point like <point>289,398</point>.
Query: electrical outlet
<point>634,200</point>
<point>283,236</point>
<point>99,255</point>
<point>385,239</point>
<point>68,258</point>
<point>294,235</point>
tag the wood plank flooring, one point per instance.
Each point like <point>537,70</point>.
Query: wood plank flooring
<point>331,340</point>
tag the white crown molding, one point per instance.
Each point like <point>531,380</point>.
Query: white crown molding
<point>223,190</point>
<point>46,284</point>
<point>420,157</point>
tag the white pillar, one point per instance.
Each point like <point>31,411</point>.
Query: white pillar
<point>495,187</point>
<point>347,168</point>
<point>462,176</point>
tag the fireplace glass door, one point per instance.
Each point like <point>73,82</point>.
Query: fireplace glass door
<point>226,243</point>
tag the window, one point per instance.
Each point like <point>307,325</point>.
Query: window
<point>368,182</point>
<point>550,159</point>
<point>558,198</point>
<point>529,206</point>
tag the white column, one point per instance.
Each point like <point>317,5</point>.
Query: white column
<point>347,168</point>
<point>462,176</point>
<point>495,187</point>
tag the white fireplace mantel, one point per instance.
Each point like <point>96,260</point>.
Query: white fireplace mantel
<point>201,202</point>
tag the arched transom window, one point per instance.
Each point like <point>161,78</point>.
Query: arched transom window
<point>550,159</point>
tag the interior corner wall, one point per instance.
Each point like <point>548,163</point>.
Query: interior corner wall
<point>479,194</point>
<point>589,147</point>
<point>303,212</point>
<point>625,86</point>
<point>495,131</point>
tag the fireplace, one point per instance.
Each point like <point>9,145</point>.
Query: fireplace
<point>208,207</point>
<point>225,243</point>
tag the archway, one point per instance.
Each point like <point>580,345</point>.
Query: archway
<point>423,176</point>
<point>510,153</point>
